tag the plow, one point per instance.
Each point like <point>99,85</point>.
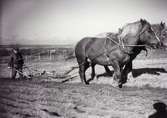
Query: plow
<point>30,73</point>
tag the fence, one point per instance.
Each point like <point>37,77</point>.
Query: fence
<point>50,55</point>
<point>41,54</point>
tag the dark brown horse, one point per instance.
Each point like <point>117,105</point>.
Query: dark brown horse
<point>109,52</point>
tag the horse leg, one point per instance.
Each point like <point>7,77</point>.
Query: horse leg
<point>117,73</point>
<point>93,71</point>
<point>107,69</point>
<point>126,70</point>
<point>82,69</point>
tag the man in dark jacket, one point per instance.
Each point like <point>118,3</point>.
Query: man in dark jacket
<point>16,63</point>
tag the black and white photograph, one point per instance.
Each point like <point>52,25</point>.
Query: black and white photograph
<point>83,59</point>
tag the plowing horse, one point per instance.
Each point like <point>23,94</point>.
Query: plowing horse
<point>109,52</point>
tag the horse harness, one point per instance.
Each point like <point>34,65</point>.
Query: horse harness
<point>122,45</point>
<point>106,51</point>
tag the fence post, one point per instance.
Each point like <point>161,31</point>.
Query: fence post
<point>39,56</point>
<point>26,58</point>
<point>50,55</point>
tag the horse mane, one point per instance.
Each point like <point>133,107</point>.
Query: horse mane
<point>132,28</point>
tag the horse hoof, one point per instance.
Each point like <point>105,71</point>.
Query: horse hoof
<point>120,85</point>
<point>86,83</point>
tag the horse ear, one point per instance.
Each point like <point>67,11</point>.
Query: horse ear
<point>143,21</point>
<point>119,30</point>
<point>162,24</point>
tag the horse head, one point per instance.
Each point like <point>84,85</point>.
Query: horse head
<point>147,36</point>
<point>160,31</point>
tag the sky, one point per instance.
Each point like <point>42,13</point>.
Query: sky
<point>68,21</point>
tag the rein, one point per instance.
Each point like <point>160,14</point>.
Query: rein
<point>123,45</point>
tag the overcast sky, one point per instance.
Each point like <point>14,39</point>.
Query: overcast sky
<point>67,21</point>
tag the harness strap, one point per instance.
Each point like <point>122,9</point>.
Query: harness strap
<point>105,50</point>
<point>123,45</point>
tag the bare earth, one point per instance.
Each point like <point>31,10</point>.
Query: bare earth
<point>46,98</point>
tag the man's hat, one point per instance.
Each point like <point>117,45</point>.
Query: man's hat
<point>159,106</point>
<point>15,49</point>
